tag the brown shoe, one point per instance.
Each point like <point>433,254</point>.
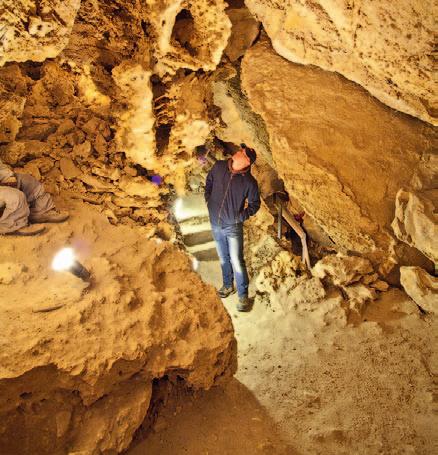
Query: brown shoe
<point>29,230</point>
<point>52,216</point>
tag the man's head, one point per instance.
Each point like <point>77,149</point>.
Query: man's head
<point>243,158</point>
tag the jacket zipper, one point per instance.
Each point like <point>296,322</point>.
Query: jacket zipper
<point>225,196</point>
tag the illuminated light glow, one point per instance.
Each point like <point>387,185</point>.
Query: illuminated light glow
<point>195,264</point>
<point>64,259</point>
<point>178,208</point>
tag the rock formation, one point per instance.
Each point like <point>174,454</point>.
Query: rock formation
<point>385,46</point>
<point>77,361</point>
<point>106,102</point>
<point>33,30</point>
<point>416,221</point>
<point>421,287</point>
<point>341,154</point>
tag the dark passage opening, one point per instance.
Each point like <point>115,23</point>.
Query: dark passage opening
<point>184,31</point>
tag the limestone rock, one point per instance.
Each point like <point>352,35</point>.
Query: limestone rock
<point>83,149</point>
<point>97,185</point>
<point>416,220</point>
<point>327,146</point>
<point>10,271</point>
<point>385,46</point>
<point>81,371</point>
<point>342,270</point>
<point>31,31</point>
<point>11,108</point>
<point>358,295</point>
<point>135,134</point>
<point>191,34</point>
<point>307,292</point>
<point>421,287</point>
<point>68,168</point>
<point>139,186</point>
<point>243,33</point>
<point>12,153</point>
<point>240,123</point>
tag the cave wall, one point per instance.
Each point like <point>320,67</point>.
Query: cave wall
<point>385,46</point>
<point>112,99</point>
<point>341,153</point>
<point>105,101</point>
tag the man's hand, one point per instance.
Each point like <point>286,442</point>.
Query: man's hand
<point>10,181</point>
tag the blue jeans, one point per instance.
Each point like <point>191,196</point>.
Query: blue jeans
<point>229,245</point>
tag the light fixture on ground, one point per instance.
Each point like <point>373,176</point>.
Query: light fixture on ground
<point>65,260</point>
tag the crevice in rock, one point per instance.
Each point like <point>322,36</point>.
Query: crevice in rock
<point>183,31</point>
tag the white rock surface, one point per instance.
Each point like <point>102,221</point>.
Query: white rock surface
<point>421,287</point>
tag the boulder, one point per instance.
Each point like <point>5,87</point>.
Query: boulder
<point>77,360</point>
<point>342,270</point>
<point>243,32</point>
<point>421,287</point>
<point>69,169</point>
<point>342,154</point>
<point>416,220</point>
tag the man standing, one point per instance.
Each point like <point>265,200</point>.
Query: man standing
<point>23,200</point>
<point>229,185</point>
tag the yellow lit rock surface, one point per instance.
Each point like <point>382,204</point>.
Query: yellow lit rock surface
<point>342,154</point>
<point>421,287</point>
<point>385,46</point>
<point>416,220</point>
<point>85,356</point>
<point>33,30</point>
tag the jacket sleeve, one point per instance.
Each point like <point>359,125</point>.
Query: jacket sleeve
<point>253,202</point>
<point>5,172</point>
<point>209,184</point>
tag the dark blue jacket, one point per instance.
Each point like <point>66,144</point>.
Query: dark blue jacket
<point>226,193</point>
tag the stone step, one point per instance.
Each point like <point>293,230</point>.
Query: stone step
<point>201,247</point>
<point>204,252</point>
<point>198,238</point>
<point>193,225</point>
<point>206,255</point>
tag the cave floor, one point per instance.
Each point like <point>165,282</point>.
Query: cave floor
<point>309,383</point>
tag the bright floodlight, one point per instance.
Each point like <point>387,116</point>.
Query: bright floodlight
<point>64,259</point>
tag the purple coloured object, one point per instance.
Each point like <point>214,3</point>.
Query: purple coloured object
<point>156,179</point>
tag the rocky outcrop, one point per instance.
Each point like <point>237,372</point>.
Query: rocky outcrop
<point>385,46</point>
<point>239,122</point>
<point>77,360</point>
<point>243,33</point>
<point>421,287</point>
<point>353,275</point>
<point>416,221</point>
<point>112,104</point>
<point>189,34</point>
<point>33,30</point>
<point>341,154</point>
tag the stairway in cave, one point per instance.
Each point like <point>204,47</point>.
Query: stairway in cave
<point>192,215</point>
